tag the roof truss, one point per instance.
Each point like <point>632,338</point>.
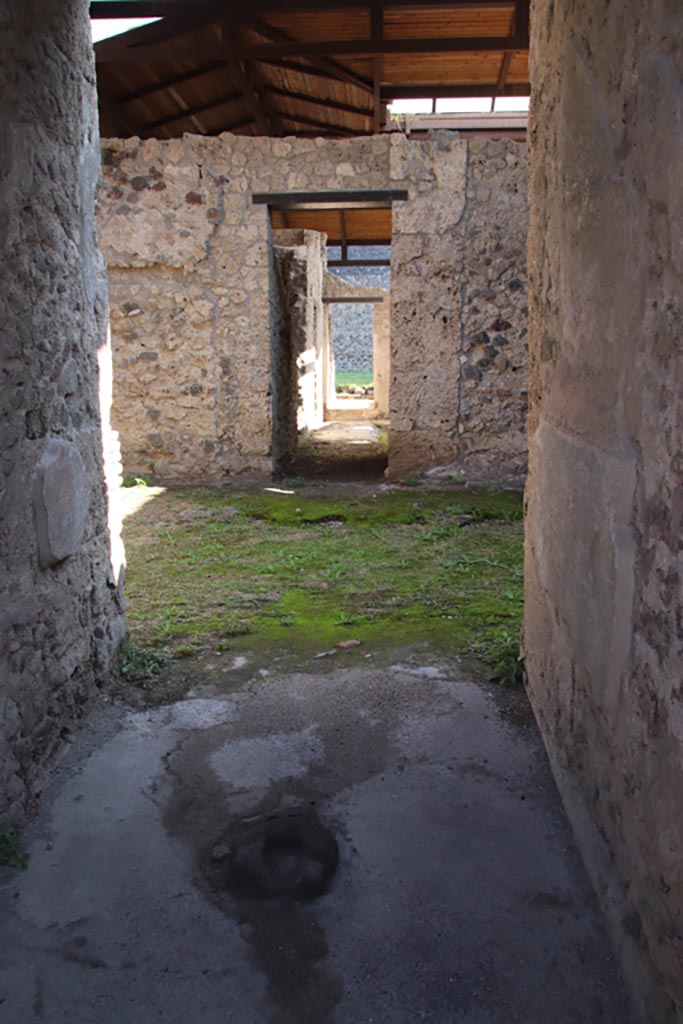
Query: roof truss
<point>308,70</point>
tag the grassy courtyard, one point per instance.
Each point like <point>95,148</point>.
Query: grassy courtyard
<point>303,569</point>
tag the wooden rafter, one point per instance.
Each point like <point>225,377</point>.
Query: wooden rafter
<point>521,26</point>
<point>239,46</point>
<point>377,39</point>
<point>324,126</point>
<point>170,83</point>
<point>244,77</point>
<point>318,101</point>
<point>309,69</point>
<point>192,111</point>
<point>331,67</point>
<point>500,84</point>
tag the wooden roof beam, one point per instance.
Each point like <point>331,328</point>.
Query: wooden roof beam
<point>242,80</point>
<point>276,35</point>
<point>521,27</point>
<point>454,91</point>
<point>319,101</point>
<point>168,8</point>
<point>170,83</point>
<point>500,84</point>
<point>113,51</point>
<point>308,69</point>
<point>379,47</point>
<point>377,39</point>
<point>332,129</point>
<point>192,112</point>
<point>243,77</point>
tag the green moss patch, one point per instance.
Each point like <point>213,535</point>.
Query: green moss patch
<point>276,571</point>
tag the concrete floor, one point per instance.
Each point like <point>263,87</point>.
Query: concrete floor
<point>459,897</point>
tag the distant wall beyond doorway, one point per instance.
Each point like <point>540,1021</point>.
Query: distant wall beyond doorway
<point>191,278</point>
<point>380,356</point>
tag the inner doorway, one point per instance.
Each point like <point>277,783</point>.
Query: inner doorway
<point>331,332</point>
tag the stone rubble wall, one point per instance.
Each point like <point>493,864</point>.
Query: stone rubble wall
<point>61,615</point>
<point>191,270</point>
<point>603,631</point>
<point>351,330</point>
<point>190,273</point>
<point>459,316</point>
<point>352,326</point>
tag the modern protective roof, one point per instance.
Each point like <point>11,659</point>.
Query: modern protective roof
<point>300,67</point>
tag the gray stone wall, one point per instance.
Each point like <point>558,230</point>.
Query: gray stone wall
<point>604,606</point>
<point>60,602</point>
<point>190,271</point>
<point>459,310</point>
<point>190,276</point>
<point>351,334</point>
<point>352,326</point>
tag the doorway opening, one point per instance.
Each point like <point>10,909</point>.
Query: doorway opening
<point>331,315</point>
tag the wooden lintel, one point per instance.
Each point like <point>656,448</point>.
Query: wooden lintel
<point>329,300</point>
<point>359,263</point>
<point>381,198</point>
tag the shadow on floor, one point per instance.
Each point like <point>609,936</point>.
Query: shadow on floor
<point>354,451</point>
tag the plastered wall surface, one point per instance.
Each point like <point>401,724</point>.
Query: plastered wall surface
<point>604,606</point>
<point>190,274</point>
<point>298,341</point>
<point>60,602</point>
<point>459,309</point>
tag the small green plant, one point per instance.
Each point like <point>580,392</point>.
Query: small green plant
<point>138,664</point>
<point>504,659</point>
<point>11,854</point>
<point>136,481</point>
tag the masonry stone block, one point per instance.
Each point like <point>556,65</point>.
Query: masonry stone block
<point>61,501</point>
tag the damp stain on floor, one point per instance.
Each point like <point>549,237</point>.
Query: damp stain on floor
<point>362,844</point>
